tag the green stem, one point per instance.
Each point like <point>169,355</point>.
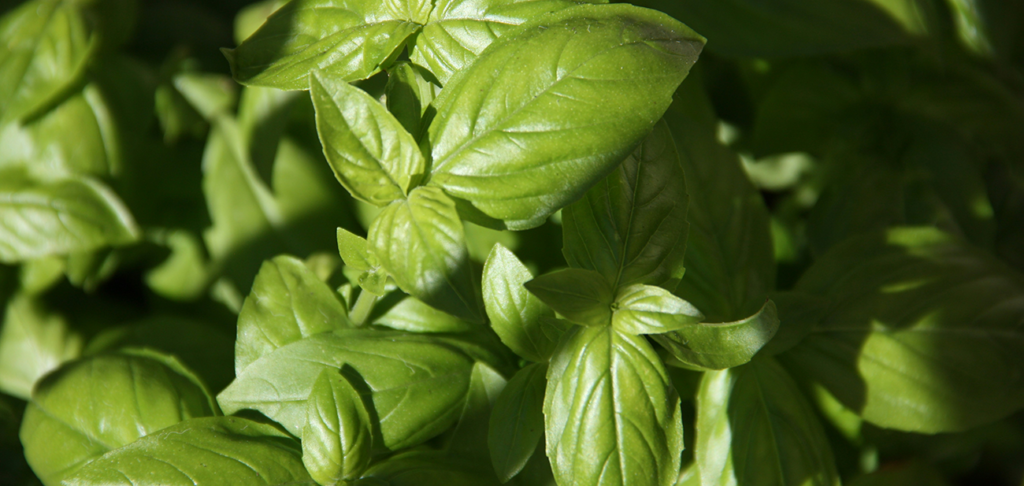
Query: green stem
<point>361,310</point>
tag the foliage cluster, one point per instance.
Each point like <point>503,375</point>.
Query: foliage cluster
<point>562,250</point>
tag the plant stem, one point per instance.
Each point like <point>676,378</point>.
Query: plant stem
<point>361,310</point>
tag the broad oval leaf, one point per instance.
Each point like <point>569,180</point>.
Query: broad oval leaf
<point>922,332</point>
<point>730,262</point>
<point>409,93</point>
<point>47,44</point>
<point>210,451</point>
<point>645,309</point>
<point>527,128</point>
<point>337,440</point>
<point>459,30</point>
<point>288,302</point>
<point>420,241</point>
<point>355,252</point>
<point>412,315</point>
<point>632,225</point>
<point>611,413</point>
<point>416,381</point>
<point>582,296</point>
<point>56,217</point>
<point>371,153</point>
<point>92,406</point>
<point>517,421</point>
<point>346,39</point>
<point>514,312</point>
<point>722,345</point>
<point>33,341</point>
<point>755,427</point>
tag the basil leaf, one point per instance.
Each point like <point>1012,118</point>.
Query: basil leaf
<point>582,296</point>
<point>338,437</point>
<point>468,439</point>
<point>409,93</point>
<point>355,252</point>
<point>517,421</point>
<point>428,468</point>
<point>798,312</point>
<point>48,217</point>
<point>288,303</point>
<point>92,406</point>
<point>722,345</point>
<point>412,315</point>
<point>185,274</point>
<point>371,153</point>
<point>33,341</point>
<point>611,414</point>
<point>421,243</point>
<point>459,30</point>
<point>47,44</point>
<point>347,40</point>
<point>787,27</point>
<point>214,451</point>
<point>632,226</point>
<point>514,313</point>
<point>754,426</point>
<point>921,332</point>
<point>730,263</point>
<point>501,140</point>
<point>416,381</point>
<point>645,309</point>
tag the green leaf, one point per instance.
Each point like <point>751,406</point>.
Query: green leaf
<point>515,314</point>
<point>347,40</point>
<point>755,427</point>
<point>645,309</point>
<point>517,421</point>
<point>416,381</point>
<point>412,315</point>
<point>288,303</point>
<point>722,345</point>
<point>468,439</point>
<point>922,333</point>
<point>47,44</point>
<point>55,217</point>
<point>582,296</point>
<point>730,263</point>
<point>459,30</point>
<point>92,406</point>
<point>632,226</point>
<point>798,312</point>
<point>428,468</point>
<point>184,275</point>
<point>371,153</point>
<point>786,27</point>
<point>355,252</point>
<point>409,93</point>
<point>33,341</point>
<point>211,451</point>
<point>209,94</point>
<point>421,243</point>
<point>338,437</point>
<point>527,129</point>
<point>611,413</point>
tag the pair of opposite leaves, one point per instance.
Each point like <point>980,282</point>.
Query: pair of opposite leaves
<point>522,132</point>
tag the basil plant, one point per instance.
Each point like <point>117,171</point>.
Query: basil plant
<point>485,242</point>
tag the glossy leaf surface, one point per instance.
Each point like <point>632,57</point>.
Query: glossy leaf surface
<point>582,296</point>
<point>755,427</point>
<point>422,244</point>
<point>371,153</point>
<point>412,315</point>
<point>632,225</point>
<point>337,440</point>
<point>611,414</point>
<point>347,40</point>
<point>527,129</point>
<point>33,341</point>
<point>517,421</point>
<point>92,406</point>
<point>922,331</point>
<point>645,309</point>
<point>40,218</point>
<point>516,314</point>
<point>211,451</point>
<point>722,345</point>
